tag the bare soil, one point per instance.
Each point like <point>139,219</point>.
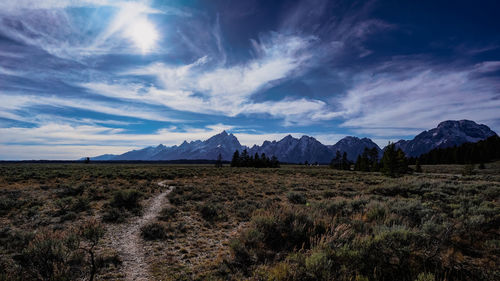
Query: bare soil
<point>127,241</point>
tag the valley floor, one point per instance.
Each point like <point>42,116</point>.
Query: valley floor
<point>291,223</point>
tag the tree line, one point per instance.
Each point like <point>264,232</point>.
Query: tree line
<point>468,153</point>
<point>257,161</point>
<point>393,163</point>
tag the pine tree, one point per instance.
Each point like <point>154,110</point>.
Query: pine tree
<point>265,160</point>
<point>336,162</point>
<point>389,165</point>
<point>257,161</point>
<point>245,159</point>
<point>235,161</point>
<point>418,168</point>
<point>274,162</point>
<point>401,162</point>
<point>218,163</point>
<point>373,155</point>
<point>345,162</point>
<point>357,165</point>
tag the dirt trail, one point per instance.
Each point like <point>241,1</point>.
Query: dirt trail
<point>127,241</point>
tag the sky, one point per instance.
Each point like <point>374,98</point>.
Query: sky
<point>88,77</point>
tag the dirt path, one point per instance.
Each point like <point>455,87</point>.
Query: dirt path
<point>127,241</point>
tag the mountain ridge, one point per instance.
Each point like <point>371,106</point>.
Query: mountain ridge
<point>307,148</point>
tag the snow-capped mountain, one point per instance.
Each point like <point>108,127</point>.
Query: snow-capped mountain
<point>293,150</point>
<point>354,146</point>
<point>288,149</point>
<point>142,154</point>
<point>448,133</point>
<point>223,143</point>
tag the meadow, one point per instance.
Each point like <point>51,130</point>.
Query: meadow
<point>71,221</point>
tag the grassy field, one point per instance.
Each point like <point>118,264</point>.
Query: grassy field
<point>291,223</point>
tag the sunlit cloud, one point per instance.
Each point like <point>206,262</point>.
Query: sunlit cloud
<point>396,103</point>
<point>113,72</point>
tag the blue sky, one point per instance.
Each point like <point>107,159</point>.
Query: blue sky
<point>88,77</point>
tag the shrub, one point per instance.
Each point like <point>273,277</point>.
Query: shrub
<point>114,215</point>
<point>275,231</point>
<point>80,205</point>
<point>6,204</point>
<point>336,207</point>
<point>154,231</point>
<point>468,170</point>
<point>425,277</point>
<point>296,198</point>
<point>71,190</point>
<point>168,213</point>
<point>127,199</point>
<point>91,232</point>
<point>319,266</point>
<point>51,256</point>
<point>376,212</point>
<point>211,212</point>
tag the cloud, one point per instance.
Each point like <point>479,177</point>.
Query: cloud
<point>399,98</point>
<point>57,152</point>
<point>70,141</point>
<point>48,25</point>
<point>13,104</point>
<point>204,88</point>
<point>71,134</point>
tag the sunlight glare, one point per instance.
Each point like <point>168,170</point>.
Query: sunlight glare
<point>143,34</point>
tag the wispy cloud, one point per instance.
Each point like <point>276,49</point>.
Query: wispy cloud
<point>11,104</point>
<point>203,87</point>
<point>48,25</point>
<point>399,98</point>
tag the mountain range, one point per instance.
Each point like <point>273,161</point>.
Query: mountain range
<point>307,148</point>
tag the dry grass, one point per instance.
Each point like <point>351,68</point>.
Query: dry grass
<point>214,208</point>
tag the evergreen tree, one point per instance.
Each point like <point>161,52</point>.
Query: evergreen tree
<point>346,165</point>
<point>394,162</point>
<point>418,168</point>
<point>235,161</point>
<point>479,152</point>
<point>218,163</point>
<point>389,162</point>
<point>265,160</point>
<point>401,162</point>
<point>274,162</point>
<point>245,159</point>
<point>373,159</point>
<point>336,162</point>
<point>357,165</point>
<point>257,161</point>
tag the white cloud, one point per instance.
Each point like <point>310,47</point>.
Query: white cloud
<point>395,103</point>
<point>46,24</point>
<point>57,152</point>
<point>200,87</point>
<point>69,141</point>
<point>65,141</point>
<point>12,103</point>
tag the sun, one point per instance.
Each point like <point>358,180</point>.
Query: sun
<point>143,34</point>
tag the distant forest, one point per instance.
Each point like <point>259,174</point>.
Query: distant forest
<point>393,161</point>
<point>468,153</point>
<point>256,161</point>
